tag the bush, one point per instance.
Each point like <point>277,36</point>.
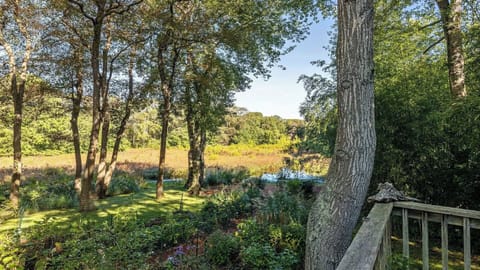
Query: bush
<point>253,183</point>
<point>258,256</point>
<point>219,176</point>
<point>56,191</point>
<point>122,184</point>
<point>170,173</point>
<point>282,208</point>
<point>294,186</point>
<point>221,249</point>
<point>10,255</point>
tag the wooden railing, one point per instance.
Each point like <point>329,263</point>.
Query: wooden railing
<point>371,247</point>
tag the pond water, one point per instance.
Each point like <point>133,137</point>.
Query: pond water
<point>287,174</point>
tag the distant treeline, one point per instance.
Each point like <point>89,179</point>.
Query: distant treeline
<point>47,129</point>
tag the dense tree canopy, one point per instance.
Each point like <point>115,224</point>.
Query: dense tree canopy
<point>423,143</point>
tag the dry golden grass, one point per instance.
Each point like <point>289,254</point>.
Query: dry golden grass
<point>257,159</point>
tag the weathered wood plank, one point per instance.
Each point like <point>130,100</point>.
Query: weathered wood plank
<point>451,211</point>
<point>444,229</point>
<point>467,253</point>
<point>405,239</point>
<point>425,249</point>
<point>363,251</point>
<point>434,217</point>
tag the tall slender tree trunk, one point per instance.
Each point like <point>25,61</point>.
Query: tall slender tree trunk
<point>123,124</point>
<point>86,203</point>
<point>101,188</point>
<point>167,85</point>
<point>203,145</point>
<point>451,15</point>
<point>163,141</point>
<point>193,181</point>
<point>77,96</point>
<point>335,212</point>
<point>18,90</point>
<point>18,78</point>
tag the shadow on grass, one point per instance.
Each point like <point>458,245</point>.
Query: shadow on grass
<point>142,204</point>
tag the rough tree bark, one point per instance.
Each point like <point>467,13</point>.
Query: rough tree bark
<point>335,212</point>
<point>102,10</point>
<point>100,187</point>
<point>194,153</point>
<point>450,12</point>
<point>77,96</point>
<point>18,78</point>
<point>167,84</point>
<point>167,57</point>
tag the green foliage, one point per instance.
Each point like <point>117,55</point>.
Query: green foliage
<point>223,207</point>
<point>55,191</point>
<point>258,256</point>
<point>170,173</point>
<point>219,176</point>
<point>122,185</point>
<point>10,254</point>
<point>221,249</point>
<point>426,141</point>
<point>276,238</point>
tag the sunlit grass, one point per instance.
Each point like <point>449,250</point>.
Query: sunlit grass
<point>455,258</point>
<point>259,159</point>
<point>143,204</point>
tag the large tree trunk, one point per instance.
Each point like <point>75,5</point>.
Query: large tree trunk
<point>86,203</point>
<point>203,145</point>
<point>335,212</point>
<point>18,90</point>
<point>167,85</point>
<point>450,13</point>
<point>101,188</point>
<point>77,95</point>
<point>163,143</point>
<point>193,181</point>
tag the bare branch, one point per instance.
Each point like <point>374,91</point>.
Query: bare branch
<point>119,8</point>
<point>82,10</point>
<point>429,25</point>
<point>433,45</point>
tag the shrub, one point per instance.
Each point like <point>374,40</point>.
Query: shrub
<point>294,186</point>
<point>221,249</point>
<point>10,254</point>
<point>253,183</point>
<point>122,184</point>
<point>282,208</point>
<point>57,191</point>
<point>170,173</point>
<point>219,176</point>
<point>263,256</point>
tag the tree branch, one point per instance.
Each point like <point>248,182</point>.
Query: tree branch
<point>429,25</point>
<point>82,10</point>
<point>433,45</point>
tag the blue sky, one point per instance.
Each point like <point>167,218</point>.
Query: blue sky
<point>281,95</point>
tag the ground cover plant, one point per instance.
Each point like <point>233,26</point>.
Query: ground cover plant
<point>130,230</point>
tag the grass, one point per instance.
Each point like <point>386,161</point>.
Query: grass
<point>258,159</point>
<point>142,203</point>
<point>455,258</point>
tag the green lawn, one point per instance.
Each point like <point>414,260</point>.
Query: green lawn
<point>142,203</point>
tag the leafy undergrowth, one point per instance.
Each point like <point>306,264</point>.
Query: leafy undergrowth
<point>236,227</point>
<point>455,257</point>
